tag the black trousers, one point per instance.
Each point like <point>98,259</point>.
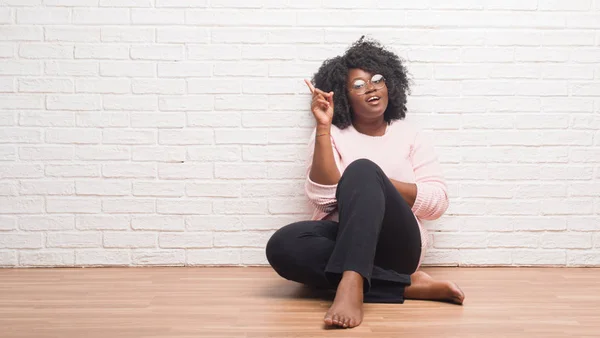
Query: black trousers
<point>377,236</point>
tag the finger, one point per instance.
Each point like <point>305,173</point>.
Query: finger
<point>310,86</point>
<point>323,103</point>
<point>330,98</point>
<point>322,92</point>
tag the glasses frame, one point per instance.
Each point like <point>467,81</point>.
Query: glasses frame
<point>371,82</point>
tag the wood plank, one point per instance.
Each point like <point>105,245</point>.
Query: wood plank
<point>255,302</point>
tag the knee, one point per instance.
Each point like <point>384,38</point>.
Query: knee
<point>277,249</point>
<point>360,170</point>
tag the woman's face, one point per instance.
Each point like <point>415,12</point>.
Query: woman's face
<point>368,93</point>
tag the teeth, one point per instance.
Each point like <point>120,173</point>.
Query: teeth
<point>373,98</point>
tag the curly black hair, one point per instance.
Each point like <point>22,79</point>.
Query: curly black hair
<point>368,55</point>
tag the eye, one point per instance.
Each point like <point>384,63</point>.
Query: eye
<point>358,84</point>
<point>377,78</point>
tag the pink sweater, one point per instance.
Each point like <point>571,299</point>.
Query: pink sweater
<point>403,153</point>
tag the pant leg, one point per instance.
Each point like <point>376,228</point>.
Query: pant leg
<point>302,251</point>
<point>378,235</point>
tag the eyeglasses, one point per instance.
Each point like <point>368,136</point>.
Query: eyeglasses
<point>359,86</point>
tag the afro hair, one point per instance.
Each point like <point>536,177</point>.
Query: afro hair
<point>370,56</point>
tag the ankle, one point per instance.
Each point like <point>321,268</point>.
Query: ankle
<point>353,278</point>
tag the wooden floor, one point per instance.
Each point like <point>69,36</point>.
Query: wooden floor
<point>255,302</point>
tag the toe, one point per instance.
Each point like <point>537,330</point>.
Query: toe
<point>345,322</point>
<point>336,319</point>
<point>328,320</point>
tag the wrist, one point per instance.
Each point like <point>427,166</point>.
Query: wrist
<point>321,129</point>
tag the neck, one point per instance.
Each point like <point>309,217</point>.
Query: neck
<point>374,127</point>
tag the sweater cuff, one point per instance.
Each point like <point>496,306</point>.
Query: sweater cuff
<point>423,199</point>
<point>320,191</point>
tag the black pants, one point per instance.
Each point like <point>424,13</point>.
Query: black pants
<point>377,236</point>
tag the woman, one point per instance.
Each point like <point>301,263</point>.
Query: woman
<point>372,178</point>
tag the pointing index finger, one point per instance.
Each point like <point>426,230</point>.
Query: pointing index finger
<point>310,86</point>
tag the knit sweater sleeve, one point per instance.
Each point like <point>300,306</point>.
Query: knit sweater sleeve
<point>432,194</point>
<point>320,195</point>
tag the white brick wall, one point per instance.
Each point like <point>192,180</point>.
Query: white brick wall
<point>173,132</point>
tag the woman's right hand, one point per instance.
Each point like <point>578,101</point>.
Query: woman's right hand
<point>321,106</point>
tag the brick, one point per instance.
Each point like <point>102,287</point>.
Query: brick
<point>187,136</point>
<point>21,241</point>
<point>161,120</point>
<point>285,170</point>
<point>487,54</point>
<point>181,3</point>
<point>159,189</point>
<point>485,257</point>
<point>290,206</point>
<point>130,102</point>
<point>536,54</point>
<point>182,35</point>
<point>102,153</point>
<point>539,257</point>
<point>128,69</point>
<point>183,206</point>
<point>21,101</point>
<point>260,222</point>
<point>125,3</point>
<point>584,189</point>
<point>106,86</point>
<point>224,86</point>
<point>73,135</point>
<point>79,239</point>
<point>105,119</point>
<point>20,68</point>
<point>129,136</point>
<point>90,257</point>
<point>127,34</point>
<point>132,170</point>
<point>75,170</point>
<point>177,171</point>
<point>102,222</point>
<point>215,153</point>
<point>466,240</point>
<point>41,187</point>
<point>289,136</point>
<point>478,224</point>
<point>128,206</point>
<point>246,18</point>
<point>566,240</point>
<point>157,16</point>
<point>71,68</point>
<point>101,16</point>
<point>157,52</point>
<point>102,52</point>
<point>241,102</point>
<point>185,103</point>
<point>69,34</point>
<point>586,258</point>
<point>46,223</point>
<point>240,171</point>
<point>254,257</point>
<point>221,256</point>
<point>75,205</point>
<point>8,258</point>
<point>186,240</point>
<point>46,258</point>
<point>573,206</point>
<point>488,190</point>
<point>184,69</point>
<point>103,188</point>
<point>441,257</point>
<point>242,239</point>
<point>21,33</point>
<point>214,51</point>
<point>41,16</point>
<point>213,222</point>
<point>159,154</point>
<point>20,135</point>
<point>45,85</point>
<point>7,85</point>
<point>213,189</point>
<point>158,257</point>
<point>274,153</point>
<point>8,223</point>
<point>160,223</point>
<point>73,102</point>
<point>244,207</point>
<point>230,119</point>
<point>71,3</point>
<point>129,239</point>
<point>513,240</point>
<point>241,136</point>
<point>9,188</point>
<point>274,52</point>
<point>21,171</point>
<point>158,86</point>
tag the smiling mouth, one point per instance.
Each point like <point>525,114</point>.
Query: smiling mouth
<point>373,99</point>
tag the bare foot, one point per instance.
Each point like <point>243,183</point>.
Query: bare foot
<point>424,286</point>
<point>347,308</point>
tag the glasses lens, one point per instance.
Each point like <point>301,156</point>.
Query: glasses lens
<point>359,86</point>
